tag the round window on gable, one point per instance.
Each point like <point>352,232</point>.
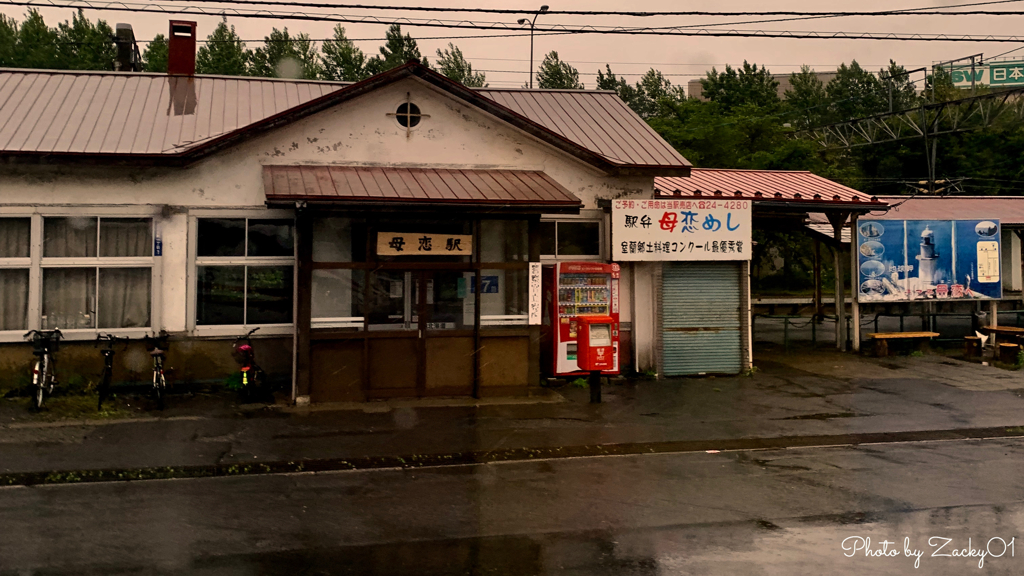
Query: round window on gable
<point>408,115</point>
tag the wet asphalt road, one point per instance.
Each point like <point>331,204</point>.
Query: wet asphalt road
<point>746,512</point>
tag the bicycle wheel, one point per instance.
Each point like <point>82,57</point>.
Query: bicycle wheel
<point>40,377</point>
<point>159,388</point>
<point>104,389</point>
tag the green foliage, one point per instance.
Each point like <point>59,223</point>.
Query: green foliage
<point>284,56</point>
<point>8,41</point>
<point>579,383</point>
<point>807,97</point>
<point>854,93</point>
<point>748,86</point>
<point>646,96</point>
<point>224,53</point>
<point>342,61</point>
<point>82,45</point>
<point>396,51</point>
<point>37,44</point>
<point>453,64</point>
<point>233,381</point>
<point>555,74</point>
<point>154,58</point>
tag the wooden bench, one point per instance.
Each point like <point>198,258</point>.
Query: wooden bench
<point>882,339</point>
<point>1014,333</point>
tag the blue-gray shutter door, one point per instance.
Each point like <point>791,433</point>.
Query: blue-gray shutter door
<point>700,307</point>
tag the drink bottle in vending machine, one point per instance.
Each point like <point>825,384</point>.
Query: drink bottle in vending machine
<point>574,290</point>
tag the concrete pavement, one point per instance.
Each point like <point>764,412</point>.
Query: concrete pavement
<point>794,396</point>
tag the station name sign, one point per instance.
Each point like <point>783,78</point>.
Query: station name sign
<point>414,244</point>
<point>681,230</point>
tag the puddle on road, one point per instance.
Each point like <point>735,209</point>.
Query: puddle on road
<point>823,416</point>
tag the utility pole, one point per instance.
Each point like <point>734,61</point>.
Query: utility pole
<point>532,23</point>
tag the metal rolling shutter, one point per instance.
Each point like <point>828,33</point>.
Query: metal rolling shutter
<point>700,303</point>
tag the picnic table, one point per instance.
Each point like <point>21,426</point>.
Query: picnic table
<point>1012,331</point>
<point>882,339</point>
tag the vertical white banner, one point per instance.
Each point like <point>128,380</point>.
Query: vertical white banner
<point>535,294</point>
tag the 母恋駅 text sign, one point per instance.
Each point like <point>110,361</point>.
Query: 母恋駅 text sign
<point>681,230</point>
<point>417,244</point>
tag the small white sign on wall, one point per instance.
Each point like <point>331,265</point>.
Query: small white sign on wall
<point>535,294</point>
<point>681,230</point>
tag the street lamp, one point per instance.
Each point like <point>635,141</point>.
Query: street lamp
<point>522,21</point>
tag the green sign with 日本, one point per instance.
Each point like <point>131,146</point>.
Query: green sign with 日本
<point>1001,73</point>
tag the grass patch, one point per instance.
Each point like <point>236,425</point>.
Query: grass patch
<point>83,406</point>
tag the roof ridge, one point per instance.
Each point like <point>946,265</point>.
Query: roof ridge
<point>59,72</point>
<point>754,170</point>
<point>570,90</point>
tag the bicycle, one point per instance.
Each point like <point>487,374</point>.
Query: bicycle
<point>108,352</point>
<point>252,374</point>
<point>44,345</point>
<point>158,351</point>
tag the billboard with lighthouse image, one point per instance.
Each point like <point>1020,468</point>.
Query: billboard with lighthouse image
<point>904,260</point>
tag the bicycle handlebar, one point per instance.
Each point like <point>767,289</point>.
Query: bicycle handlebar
<point>110,340</point>
<point>54,334</point>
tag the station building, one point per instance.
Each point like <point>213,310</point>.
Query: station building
<point>354,224</point>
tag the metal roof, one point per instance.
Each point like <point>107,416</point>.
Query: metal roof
<point>600,121</point>
<point>50,111</point>
<point>1009,210</point>
<point>126,115</point>
<point>765,186</point>
<point>378,185</point>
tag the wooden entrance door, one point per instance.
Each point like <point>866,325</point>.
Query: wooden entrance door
<point>420,337</point>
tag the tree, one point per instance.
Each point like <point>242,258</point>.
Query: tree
<point>283,56</point>
<point>453,64</point>
<point>553,73</point>
<point>8,41</point>
<point>342,60</point>
<point>82,45</point>
<point>396,51</point>
<point>748,85</point>
<point>896,82</point>
<point>224,53</point>
<point>854,93</point>
<point>806,101</point>
<point>651,90</point>
<point>154,58</point>
<point>606,80</point>
<point>37,44</point>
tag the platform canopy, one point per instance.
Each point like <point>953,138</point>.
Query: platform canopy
<point>410,187</point>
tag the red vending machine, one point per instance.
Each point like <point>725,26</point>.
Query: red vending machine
<point>578,289</point>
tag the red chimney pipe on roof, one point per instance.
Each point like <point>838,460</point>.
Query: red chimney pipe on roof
<point>181,49</point>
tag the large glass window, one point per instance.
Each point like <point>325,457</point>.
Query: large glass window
<point>97,272</point>
<point>569,238</point>
<point>337,300</point>
<point>15,250</point>
<point>504,241</point>
<point>393,301</point>
<point>244,271</point>
<point>504,297</point>
<point>339,240</point>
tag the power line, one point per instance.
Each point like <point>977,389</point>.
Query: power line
<point>556,29</point>
<point>924,11</point>
<point>796,15</point>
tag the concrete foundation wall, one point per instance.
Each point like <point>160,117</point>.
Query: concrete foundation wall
<point>189,362</point>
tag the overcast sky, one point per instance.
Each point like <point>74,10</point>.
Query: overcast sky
<point>681,58</point>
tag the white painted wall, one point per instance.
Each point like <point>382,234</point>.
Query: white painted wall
<point>359,132</point>
<point>1010,260</point>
